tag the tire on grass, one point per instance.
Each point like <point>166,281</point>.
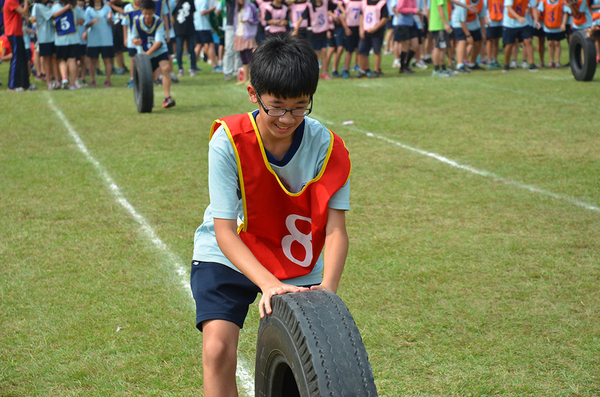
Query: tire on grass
<point>582,56</point>
<point>310,346</point>
<point>143,85</point>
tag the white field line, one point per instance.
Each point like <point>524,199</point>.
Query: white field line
<point>484,173</point>
<point>244,375</point>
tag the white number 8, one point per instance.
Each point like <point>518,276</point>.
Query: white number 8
<point>304,239</point>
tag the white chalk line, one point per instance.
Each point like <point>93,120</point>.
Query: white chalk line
<point>245,376</point>
<point>484,173</point>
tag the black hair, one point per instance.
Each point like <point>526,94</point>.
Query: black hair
<point>285,66</point>
<point>148,5</point>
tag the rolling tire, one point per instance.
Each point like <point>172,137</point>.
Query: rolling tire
<point>310,346</point>
<point>143,84</point>
<point>582,57</point>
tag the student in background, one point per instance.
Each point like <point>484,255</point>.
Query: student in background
<point>406,33</point>
<point>81,29</point>
<point>183,24</point>
<point>18,75</point>
<point>276,17</point>
<point>45,28</point>
<point>555,25</point>
<point>541,35</point>
<point>493,30</point>
<point>351,28</point>
<point>467,30</point>
<point>98,19</point>
<point>67,42</point>
<point>372,29</point>
<point>517,28</point>
<point>245,25</point>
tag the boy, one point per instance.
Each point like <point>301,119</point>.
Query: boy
<point>555,25</point>
<point>371,29</point>
<point>148,34</point>
<point>516,28</point>
<point>493,30</point>
<point>291,192</point>
<point>467,30</point>
<point>351,24</point>
<point>276,18</point>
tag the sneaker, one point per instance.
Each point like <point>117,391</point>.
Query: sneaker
<point>439,73</point>
<point>107,84</point>
<point>180,73</point>
<point>227,77</point>
<point>72,87</point>
<point>513,64</point>
<point>396,63</point>
<point>19,89</point>
<point>428,60</point>
<point>361,75</point>
<point>168,103</point>
<point>92,84</point>
<point>99,72</point>
<point>119,72</point>
<point>524,65</point>
<point>541,65</point>
<point>65,85</point>
<point>78,84</point>
<point>217,69</point>
<point>533,68</point>
<point>32,87</point>
<point>485,62</point>
<point>325,76</point>
<point>558,65</point>
<point>356,68</point>
<point>506,68</point>
<point>408,70</point>
<point>158,81</point>
<point>39,77</point>
<point>449,73</point>
<point>345,75</point>
<point>421,65</point>
<point>475,67</point>
<point>50,87</point>
<point>462,69</point>
<point>130,84</point>
<point>491,66</point>
<point>192,73</point>
<point>335,74</point>
<point>550,65</point>
<point>174,78</point>
<point>369,73</point>
<point>84,83</point>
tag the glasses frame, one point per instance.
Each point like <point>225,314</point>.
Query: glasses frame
<point>304,110</point>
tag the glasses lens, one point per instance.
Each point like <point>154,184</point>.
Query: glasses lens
<point>276,112</point>
<point>300,112</point>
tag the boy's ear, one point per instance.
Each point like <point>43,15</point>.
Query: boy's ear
<point>252,94</point>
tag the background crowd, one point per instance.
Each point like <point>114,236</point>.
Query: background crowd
<point>61,42</point>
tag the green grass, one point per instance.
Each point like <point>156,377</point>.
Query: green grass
<point>460,284</point>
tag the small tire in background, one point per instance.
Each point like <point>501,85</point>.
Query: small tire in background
<point>143,85</point>
<point>582,56</point>
<point>310,346</point>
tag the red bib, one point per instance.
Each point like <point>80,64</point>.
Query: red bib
<point>285,231</point>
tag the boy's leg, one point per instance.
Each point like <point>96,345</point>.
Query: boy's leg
<point>72,66</point>
<point>165,68</point>
<point>108,65</point>
<point>219,357</point>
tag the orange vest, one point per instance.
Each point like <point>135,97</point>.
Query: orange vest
<point>579,19</point>
<point>471,16</point>
<point>554,14</point>
<point>496,9</point>
<point>285,231</point>
<point>596,16</point>
<point>520,7</point>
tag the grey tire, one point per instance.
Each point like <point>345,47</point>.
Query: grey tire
<point>582,57</point>
<point>310,346</point>
<point>143,85</point>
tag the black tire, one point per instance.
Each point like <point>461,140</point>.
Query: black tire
<point>143,85</point>
<point>582,57</point>
<point>310,346</point>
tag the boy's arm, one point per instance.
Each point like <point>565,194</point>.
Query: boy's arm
<point>62,11</point>
<point>513,14</point>
<point>23,10</point>
<point>240,255</point>
<point>336,249</point>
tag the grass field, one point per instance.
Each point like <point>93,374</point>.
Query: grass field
<point>474,263</point>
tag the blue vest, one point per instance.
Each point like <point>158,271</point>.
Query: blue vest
<point>146,34</point>
<point>65,24</point>
<point>132,15</point>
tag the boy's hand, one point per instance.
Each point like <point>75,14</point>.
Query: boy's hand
<point>447,27</point>
<point>264,305</point>
<point>323,287</point>
<point>136,41</point>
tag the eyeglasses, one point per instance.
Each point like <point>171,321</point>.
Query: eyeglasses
<point>277,112</point>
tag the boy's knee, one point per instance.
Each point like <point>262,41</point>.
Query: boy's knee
<point>219,351</point>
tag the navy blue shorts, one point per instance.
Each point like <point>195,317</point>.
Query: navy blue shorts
<point>351,42</point>
<point>539,32</point>
<point>47,49</point>
<point>82,50</point>
<point>64,52</point>
<point>493,32</point>
<point>106,52</point>
<point>511,35</point>
<point>559,36</point>
<point>132,52</point>
<point>405,33</point>
<point>156,60</point>
<point>460,35</point>
<point>221,293</point>
<point>374,41</point>
<point>170,45</point>
<point>318,41</point>
<point>204,36</point>
<point>339,36</point>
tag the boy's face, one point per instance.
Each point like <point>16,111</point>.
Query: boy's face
<point>148,16</point>
<point>277,128</point>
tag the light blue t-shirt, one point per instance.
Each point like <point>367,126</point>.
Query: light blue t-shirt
<point>201,22</point>
<point>80,13</point>
<point>459,14</point>
<point>418,22</point>
<point>159,35</point>
<point>491,23</point>
<point>99,34</point>
<point>67,22</point>
<point>44,22</point>
<point>391,5</point>
<point>548,16</point>
<point>128,21</point>
<point>510,22</point>
<point>225,200</point>
<point>585,9</point>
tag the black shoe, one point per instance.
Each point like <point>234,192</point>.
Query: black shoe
<point>361,75</point>
<point>505,69</point>
<point>476,67</point>
<point>99,72</point>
